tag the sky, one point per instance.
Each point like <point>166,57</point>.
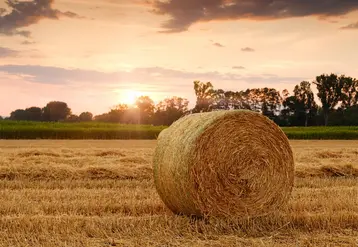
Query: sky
<point>95,54</point>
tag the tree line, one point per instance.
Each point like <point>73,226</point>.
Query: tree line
<point>338,97</point>
<point>144,111</point>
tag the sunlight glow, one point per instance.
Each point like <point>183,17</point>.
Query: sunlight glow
<point>129,97</point>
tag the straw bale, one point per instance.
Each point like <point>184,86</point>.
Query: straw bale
<point>223,163</point>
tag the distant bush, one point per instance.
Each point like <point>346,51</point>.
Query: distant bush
<point>322,133</point>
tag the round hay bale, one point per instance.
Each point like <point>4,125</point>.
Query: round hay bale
<point>223,163</point>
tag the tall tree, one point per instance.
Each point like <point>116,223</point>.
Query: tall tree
<point>329,92</point>
<point>204,96</point>
<point>349,91</point>
<point>85,117</point>
<point>56,111</point>
<point>305,98</point>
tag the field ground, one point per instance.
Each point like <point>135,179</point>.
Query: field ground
<point>101,193</point>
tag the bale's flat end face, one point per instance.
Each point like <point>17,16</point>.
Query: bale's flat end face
<point>226,163</point>
<point>243,165</point>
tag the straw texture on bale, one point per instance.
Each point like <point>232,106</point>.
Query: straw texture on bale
<point>223,163</point>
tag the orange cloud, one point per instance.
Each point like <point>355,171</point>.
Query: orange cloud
<point>26,13</point>
<point>351,26</point>
<point>184,13</point>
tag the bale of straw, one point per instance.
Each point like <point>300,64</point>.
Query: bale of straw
<point>223,163</point>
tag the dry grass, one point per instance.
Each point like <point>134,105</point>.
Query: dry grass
<point>101,193</point>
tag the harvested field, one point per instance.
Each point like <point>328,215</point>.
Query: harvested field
<point>101,193</point>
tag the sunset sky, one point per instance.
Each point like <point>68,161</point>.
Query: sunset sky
<point>92,53</point>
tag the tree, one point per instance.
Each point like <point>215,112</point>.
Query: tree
<point>239,100</point>
<point>270,101</point>
<point>85,117</point>
<point>146,108</point>
<point>120,114</point>
<point>115,115</point>
<point>18,115</point>
<point>227,100</point>
<point>300,109</point>
<point>102,118</point>
<point>329,92</point>
<point>221,100</point>
<point>264,100</point>
<point>349,92</point>
<point>305,100</point>
<point>56,111</point>
<point>350,116</point>
<point>72,118</point>
<point>125,114</point>
<point>30,114</point>
<point>1,118</point>
<point>204,96</point>
<point>170,110</point>
<point>33,114</point>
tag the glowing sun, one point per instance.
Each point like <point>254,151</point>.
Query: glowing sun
<point>129,97</point>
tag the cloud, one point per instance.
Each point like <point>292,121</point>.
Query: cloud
<point>238,67</point>
<point>28,53</point>
<point>351,26</point>
<point>56,75</point>
<point>184,13</point>
<point>159,72</point>
<point>7,52</point>
<point>26,42</point>
<point>157,76</point>
<point>247,49</point>
<point>218,45</point>
<point>26,13</point>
